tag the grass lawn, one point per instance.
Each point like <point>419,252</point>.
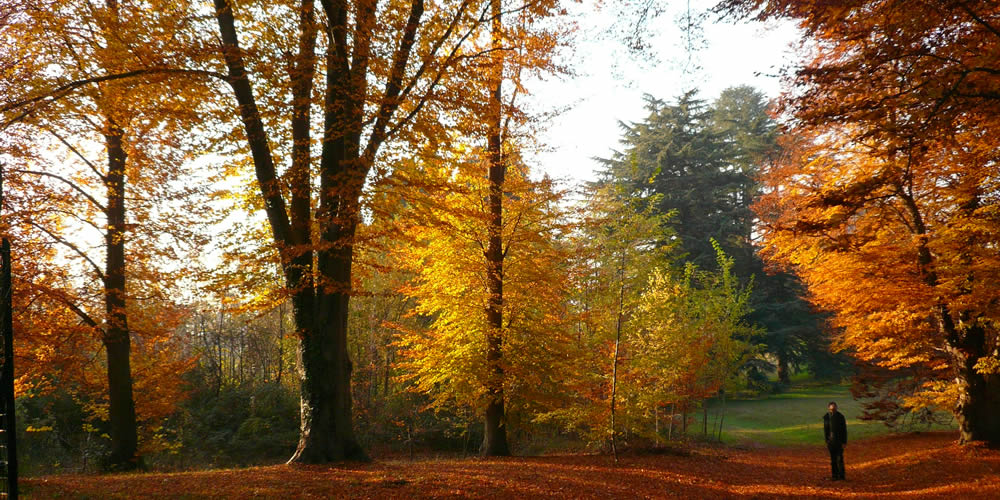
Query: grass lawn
<point>794,417</point>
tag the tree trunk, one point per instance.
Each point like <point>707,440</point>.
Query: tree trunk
<point>495,432</point>
<point>656,425</point>
<point>124,436</point>
<point>783,367</point>
<point>979,395</point>
<point>281,343</point>
<point>704,418</point>
<point>978,408</point>
<point>326,431</point>
<point>670,425</point>
<point>7,372</point>
<point>722,417</point>
<point>618,339</point>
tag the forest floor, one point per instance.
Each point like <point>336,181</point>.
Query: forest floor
<point>926,465</point>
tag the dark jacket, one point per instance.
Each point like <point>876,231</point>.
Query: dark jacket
<point>835,428</point>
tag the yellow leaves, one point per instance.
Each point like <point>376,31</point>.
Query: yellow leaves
<point>988,365</point>
<point>442,245</point>
<point>935,394</point>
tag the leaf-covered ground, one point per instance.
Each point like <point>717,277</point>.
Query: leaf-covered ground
<point>915,466</point>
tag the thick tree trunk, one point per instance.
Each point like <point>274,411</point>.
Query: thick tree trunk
<point>7,342</point>
<point>978,408</point>
<point>495,433</point>
<point>326,432</point>
<point>124,436</point>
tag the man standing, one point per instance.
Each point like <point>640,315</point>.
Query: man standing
<point>835,432</point>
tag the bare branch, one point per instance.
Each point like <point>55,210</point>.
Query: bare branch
<point>71,246</point>
<point>68,182</point>
<point>75,152</point>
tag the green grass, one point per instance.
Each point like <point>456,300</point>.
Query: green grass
<point>794,417</point>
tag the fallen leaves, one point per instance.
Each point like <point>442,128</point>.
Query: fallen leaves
<point>924,465</point>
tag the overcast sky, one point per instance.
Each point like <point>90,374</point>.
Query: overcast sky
<point>609,86</point>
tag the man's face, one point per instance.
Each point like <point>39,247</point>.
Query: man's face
<point>832,408</point>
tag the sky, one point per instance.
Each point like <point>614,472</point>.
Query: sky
<point>609,84</point>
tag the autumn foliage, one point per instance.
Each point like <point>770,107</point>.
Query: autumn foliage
<point>220,209</point>
<point>885,201</point>
<point>444,352</point>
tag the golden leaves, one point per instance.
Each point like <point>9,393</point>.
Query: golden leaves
<point>443,247</point>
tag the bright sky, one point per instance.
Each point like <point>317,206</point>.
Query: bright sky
<point>609,87</point>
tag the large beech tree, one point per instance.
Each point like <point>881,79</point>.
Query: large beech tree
<point>887,201</point>
<point>378,69</point>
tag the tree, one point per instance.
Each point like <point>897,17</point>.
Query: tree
<point>746,133</point>
<point>616,246</point>
<point>845,220</point>
<point>702,161</point>
<point>692,336</point>
<point>135,128</point>
<point>677,154</point>
<point>894,110</point>
<point>794,334</point>
<point>386,68</point>
<point>378,76</point>
<point>447,250</point>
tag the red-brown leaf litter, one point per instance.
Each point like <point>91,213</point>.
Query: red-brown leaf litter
<point>930,465</point>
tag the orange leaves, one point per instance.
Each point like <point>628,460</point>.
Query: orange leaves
<point>885,201</point>
<point>922,465</point>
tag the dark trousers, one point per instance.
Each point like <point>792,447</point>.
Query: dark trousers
<point>836,459</point>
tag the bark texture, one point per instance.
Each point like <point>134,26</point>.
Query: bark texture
<point>117,342</point>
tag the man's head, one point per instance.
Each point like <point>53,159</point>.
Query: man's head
<point>832,406</point>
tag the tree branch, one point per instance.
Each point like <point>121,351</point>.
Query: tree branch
<point>68,182</point>
<point>61,297</point>
<point>257,139</point>
<point>390,101</point>
<point>76,152</point>
<point>71,246</point>
<point>64,90</point>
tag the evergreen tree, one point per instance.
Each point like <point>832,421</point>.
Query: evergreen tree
<point>698,162</point>
<point>676,155</point>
